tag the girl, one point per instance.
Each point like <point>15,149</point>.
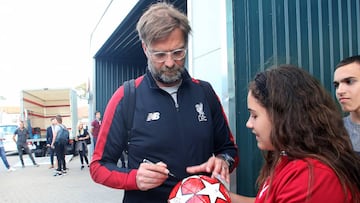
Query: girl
<point>308,153</point>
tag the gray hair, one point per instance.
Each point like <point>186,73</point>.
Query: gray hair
<point>159,21</point>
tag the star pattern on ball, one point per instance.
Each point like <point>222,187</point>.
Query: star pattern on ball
<point>213,190</point>
<point>179,198</point>
<point>199,188</point>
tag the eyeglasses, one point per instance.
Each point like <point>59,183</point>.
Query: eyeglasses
<point>162,56</point>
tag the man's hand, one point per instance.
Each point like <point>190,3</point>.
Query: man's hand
<point>215,166</point>
<point>151,175</point>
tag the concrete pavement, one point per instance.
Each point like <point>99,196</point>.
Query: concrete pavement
<point>38,185</point>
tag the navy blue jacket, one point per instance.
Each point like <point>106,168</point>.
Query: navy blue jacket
<point>180,136</point>
<point>49,135</point>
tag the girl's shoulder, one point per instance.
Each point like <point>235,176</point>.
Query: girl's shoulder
<point>304,166</point>
<point>293,180</point>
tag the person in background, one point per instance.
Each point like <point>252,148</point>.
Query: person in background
<point>347,88</point>
<point>59,148</point>
<point>175,128</point>
<point>81,146</point>
<point>95,127</point>
<point>307,151</point>
<point>49,137</point>
<point>3,154</point>
<point>21,135</point>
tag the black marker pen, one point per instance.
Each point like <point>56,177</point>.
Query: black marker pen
<point>149,162</point>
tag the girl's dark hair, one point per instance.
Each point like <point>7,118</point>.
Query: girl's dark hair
<point>306,124</point>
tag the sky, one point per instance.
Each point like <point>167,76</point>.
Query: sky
<point>45,44</point>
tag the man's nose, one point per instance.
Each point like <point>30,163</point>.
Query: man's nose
<point>169,61</point>
<point>340,88</point>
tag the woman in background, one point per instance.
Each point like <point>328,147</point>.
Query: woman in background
<point>81,145</point>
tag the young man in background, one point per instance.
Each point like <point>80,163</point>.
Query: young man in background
<point>347,86</point>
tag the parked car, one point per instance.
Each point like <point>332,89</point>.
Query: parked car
<point>8,132</point>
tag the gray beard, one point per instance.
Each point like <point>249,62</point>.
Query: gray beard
<point>159,76</point>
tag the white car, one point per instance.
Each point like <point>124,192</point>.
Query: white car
<point>7,131</point>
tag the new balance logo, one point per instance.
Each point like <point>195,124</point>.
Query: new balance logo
<point>153,116</point>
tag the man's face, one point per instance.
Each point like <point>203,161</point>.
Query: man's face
<point>167,72</point>
<point>98,115</point>
<point>347,85</point>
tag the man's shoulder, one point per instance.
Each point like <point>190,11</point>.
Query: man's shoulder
<point>349,124</point>
<point>57,127</point>
<point>62,129</point>
<point>346,119</point>
<point>200,82</point>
